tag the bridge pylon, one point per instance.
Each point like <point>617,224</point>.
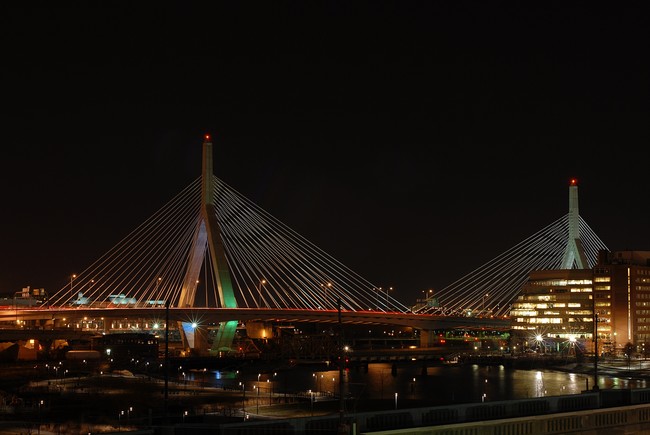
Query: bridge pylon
<point>575,251</point>
<point>207,236</point>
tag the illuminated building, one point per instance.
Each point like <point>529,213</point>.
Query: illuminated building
<point>556,309</point>
<point>622,295</point>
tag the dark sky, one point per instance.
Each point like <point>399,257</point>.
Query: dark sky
<point>413,141</point>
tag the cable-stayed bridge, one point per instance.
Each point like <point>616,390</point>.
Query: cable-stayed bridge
<point>491,288</point>
<point>210,253</point>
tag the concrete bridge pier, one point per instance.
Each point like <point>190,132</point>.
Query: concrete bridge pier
<point>427,338</point>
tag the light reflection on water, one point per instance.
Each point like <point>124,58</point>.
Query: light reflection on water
<point>438,385</point>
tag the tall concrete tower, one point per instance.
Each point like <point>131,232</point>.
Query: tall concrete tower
<point>574,253</point>
<point>208,235</point>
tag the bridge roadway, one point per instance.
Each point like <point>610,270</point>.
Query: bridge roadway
<point>205,316</point>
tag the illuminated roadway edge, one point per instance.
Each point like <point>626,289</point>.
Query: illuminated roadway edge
<point>205,316</point>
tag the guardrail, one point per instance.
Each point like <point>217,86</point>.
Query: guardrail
<point>579,413</point>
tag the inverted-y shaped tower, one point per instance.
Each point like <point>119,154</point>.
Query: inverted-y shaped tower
<point>208,235</point>
<point>574,253</point>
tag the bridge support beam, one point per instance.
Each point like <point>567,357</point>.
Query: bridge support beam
<point>224,338</point>
<point>207,236</point>
<point>426,338</point>
<point>194,338</point>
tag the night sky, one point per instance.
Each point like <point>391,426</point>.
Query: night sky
<point>413,141</point>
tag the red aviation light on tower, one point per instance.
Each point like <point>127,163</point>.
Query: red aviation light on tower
<point>574,182</point>
<point>206,138</point>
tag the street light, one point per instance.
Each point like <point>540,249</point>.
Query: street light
<point>40,403</point>
<point>387,289</point>
<point>377,291</point>
<point>483,308</point>
<point>259,292</point>
<point>317,382</point>
<point>71,281</point>
<point>595,332</point>
<point>243,400</point>
<point>258,393</point>
<point>311,400</point>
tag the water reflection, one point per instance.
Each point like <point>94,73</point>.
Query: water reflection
<point>411,382</point>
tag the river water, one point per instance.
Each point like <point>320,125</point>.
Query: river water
<point>411,384</point>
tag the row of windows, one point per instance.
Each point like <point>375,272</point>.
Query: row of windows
<point>541,320</point>
<point>534,306</point>
<point>561,282</point>
<point>534,313</point>
<point>523,313</point>
<point>553,320</point>
<point>531,305</point>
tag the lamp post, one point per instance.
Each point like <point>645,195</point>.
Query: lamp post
<point>341,362</point>
<point>258,393</point>
<point>325,287</point>
<point>40,403</point>
<point>166,401</point>
<point>311,401</point>
<point>72,277</point>
<point>16,307</point>
<point>259,292</point>
<point>317,382</point>
<point>595,350</point>
<point>243,400</point>
<point>387,289</point>
<point>377,290</point>
<point>483,307</point>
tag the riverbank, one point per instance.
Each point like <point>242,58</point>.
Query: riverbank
<point>620,368</point>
